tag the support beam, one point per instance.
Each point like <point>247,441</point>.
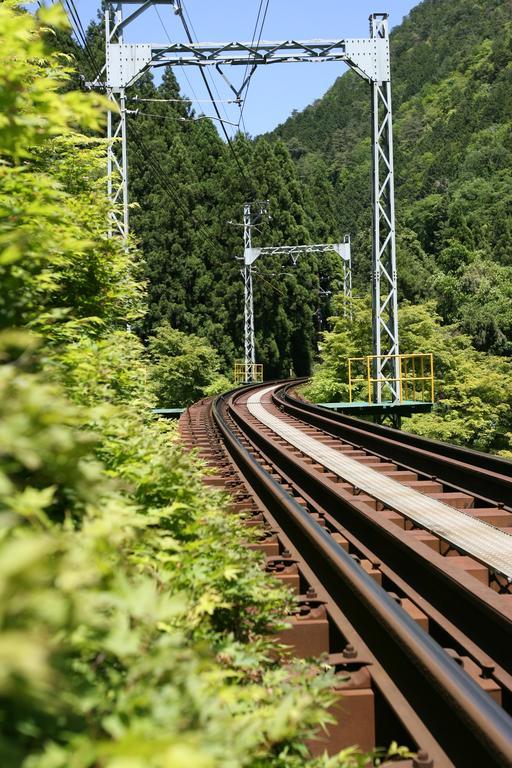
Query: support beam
<point>294,251</point>
<point>249,341</point>
<point>347,278</point>
<point>117,151</point>
<point>126,62</point>
<point>384,275</point>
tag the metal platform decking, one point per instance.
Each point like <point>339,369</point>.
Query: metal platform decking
<point>169,413</point>
<point>486,543</point>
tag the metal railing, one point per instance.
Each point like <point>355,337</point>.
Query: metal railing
<point>246,373</point>
<point>415,377</point>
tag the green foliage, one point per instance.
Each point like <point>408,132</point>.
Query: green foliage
<point>219,385</point>
<point>345,339</point>
<point>184,367</point>
<point>115,630</point>
<point>134,623</point>
<point>473,389</point>
<point>56,261</point>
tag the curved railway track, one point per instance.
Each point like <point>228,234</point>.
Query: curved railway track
<point>399,550</point>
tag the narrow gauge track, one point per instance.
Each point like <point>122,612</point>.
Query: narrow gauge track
<point>418,630</point>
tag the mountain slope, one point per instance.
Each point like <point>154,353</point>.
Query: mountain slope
<point>452,87</point>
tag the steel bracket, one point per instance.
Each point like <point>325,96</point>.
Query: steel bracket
<point>126,62</point>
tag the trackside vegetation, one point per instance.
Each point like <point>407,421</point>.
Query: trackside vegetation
<point>134,625</point>
<point>473,389</point>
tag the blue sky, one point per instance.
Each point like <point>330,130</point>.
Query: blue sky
<point>274,91</point>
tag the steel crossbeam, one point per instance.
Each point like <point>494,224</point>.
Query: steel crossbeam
<point>127,62</point>
<point>368,57</point>
<point>294,251</point>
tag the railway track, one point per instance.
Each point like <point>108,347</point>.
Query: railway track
<point>399,551</point>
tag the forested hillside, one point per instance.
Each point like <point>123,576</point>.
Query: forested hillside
<point>452,86</point>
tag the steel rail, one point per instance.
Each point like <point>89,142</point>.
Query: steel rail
<point>471,727</point>
<point>474,472</point>
<point>394,717</point>
<point>456,593</point>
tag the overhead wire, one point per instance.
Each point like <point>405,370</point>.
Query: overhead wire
<point>178,119</point>
<point>241,119</point>
<point>182,69</point>
<point>81,36</point>
<point>181,9</point>
<point>179,101</point>
<point>271,285</point>
<point>164,117</point>
<point>243,175</point>
<point>147,157</point>
<point>253,38</point>
<point>194,33</point>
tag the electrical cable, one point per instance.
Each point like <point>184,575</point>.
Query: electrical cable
<point>194,33</point>
<point>164,117</point>
<point>147,157</point>
<point>248,185</point>
<point>275,288</point>
<point>78,28</point>
<point>178,119</point>
<point>259,40</point>
<point>182,69</point>
<point>253,38</point>
<point>179,101</point>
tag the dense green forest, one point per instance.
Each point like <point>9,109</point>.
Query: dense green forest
<point>135,625</point>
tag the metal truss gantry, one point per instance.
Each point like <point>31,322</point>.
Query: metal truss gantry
<point>368,57</point>
<point>252,213</point>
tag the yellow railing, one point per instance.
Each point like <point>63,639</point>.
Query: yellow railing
<point>243,373</point>
<point>415,377</point>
